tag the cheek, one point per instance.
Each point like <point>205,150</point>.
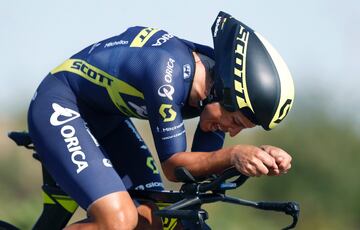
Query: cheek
<point>208,118</point>
<point>204,121</point>
<point>203,125</point>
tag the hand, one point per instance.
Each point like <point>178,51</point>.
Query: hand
<point>282,159</point>
<point>253,161</point>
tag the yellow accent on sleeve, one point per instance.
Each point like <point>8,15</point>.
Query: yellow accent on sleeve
<point>66,202</point>
<point>47,198</point>
<point>143,36</point>
<point>114,86</point>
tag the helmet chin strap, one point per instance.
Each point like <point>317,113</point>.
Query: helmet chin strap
<point>211,98</point>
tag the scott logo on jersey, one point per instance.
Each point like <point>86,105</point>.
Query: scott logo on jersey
<point>167,112</point>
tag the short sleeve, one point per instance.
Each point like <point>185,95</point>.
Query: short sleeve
<point>164,94</point>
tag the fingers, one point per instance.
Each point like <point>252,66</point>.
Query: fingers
<point>266,160</point>
<point>270,163</point>
<point>253,161</point>
<point>282,158</point>
<point>254,168</point>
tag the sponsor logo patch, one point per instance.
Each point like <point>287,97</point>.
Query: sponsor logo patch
<point>166,91</point>
<point>140,110</point>
<point>150,163</point>
<point>107,163</point>
<point>167,113</point>
<point>186,71</point>
<point>173,136</point>
<point>143,36</point>
<point>172,128</point>
<point>149,185</point>
<point>284,110</point>
<point>242,96</point>
<point>169,70</point>
<point>61,116</point>
<point>163,39</point>
<point>116,43</point>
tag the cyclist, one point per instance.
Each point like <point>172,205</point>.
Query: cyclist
<point>79,117</point>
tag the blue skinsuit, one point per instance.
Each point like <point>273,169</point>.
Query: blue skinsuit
<point>79,118</point>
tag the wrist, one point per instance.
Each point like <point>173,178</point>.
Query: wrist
<point>232,156</point>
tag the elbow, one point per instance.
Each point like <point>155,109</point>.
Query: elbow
<point>171,177</point>
<point>169,166</point>
<point>169,171</point>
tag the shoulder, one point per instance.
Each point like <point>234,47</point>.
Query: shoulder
<point>153,37</point>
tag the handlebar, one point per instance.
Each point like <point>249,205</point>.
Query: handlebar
<point>195,193</point>
<point>218,183</point>
<point>193,186</point>
<point>289,208</point>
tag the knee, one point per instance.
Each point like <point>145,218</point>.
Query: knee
<point>114,211</point>
<point>126,218</point>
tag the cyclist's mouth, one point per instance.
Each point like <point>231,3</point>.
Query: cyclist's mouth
<point>232,131</point>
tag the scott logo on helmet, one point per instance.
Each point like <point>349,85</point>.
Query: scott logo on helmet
<point>239,68</point>
<point>284,110</point>
<point>60,116</point>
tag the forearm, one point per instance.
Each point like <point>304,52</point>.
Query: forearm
<point>198,163</point>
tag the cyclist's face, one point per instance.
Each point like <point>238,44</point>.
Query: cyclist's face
<point>214,117</point>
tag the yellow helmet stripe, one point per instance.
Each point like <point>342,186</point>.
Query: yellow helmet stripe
<point>240,69</point>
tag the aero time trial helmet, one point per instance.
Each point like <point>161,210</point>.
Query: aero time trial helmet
<point>250,75</point>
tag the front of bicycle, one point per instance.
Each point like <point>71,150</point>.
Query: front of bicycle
<point>185,204</point>
<point>196,193</point>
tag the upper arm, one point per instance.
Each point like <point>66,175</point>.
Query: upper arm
<point>163,94</point>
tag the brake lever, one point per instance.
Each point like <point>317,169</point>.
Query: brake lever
<point>289,208</point>
<point>292,209</point>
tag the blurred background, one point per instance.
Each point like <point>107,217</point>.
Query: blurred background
<point>319,40</point>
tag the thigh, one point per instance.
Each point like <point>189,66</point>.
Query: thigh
<point>66,147</point>
<point>131,157</point>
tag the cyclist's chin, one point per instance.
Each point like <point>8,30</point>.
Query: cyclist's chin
<point>233,133</point>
